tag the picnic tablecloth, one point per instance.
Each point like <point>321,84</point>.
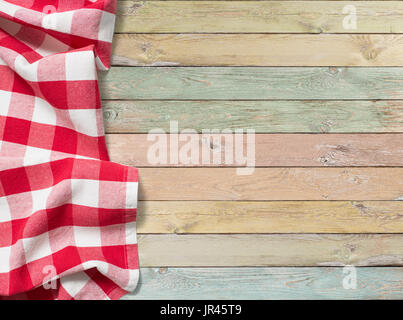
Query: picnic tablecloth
<point>67,214</point>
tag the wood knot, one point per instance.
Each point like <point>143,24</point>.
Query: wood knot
<point>145,46</point>
<point>110,114</point>
<point>342,148</point>
<point>324,159</point>
<point>350,247</point>
<point>371,54</point>
<point>133,8</point>
<point>334,70</point>
<point>163,270</point>
<point>326,126</point>
<point>361,208</point>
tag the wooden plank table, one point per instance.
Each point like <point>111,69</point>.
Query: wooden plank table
<point>326,103</point>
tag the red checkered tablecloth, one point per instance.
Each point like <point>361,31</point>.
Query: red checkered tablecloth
<point>67,214</point>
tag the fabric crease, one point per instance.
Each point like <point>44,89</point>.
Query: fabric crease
<point>67,214</point>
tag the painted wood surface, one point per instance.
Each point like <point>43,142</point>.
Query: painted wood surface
<point>242,250</point>
<point>257,16</point>
<point>271,184</point>
<point>271,150</point>
<point>252,83</point>
<point>377,116</point>
<point>268,283</point>
<point>277,67</point>
<point>187,217</point>
<point>258,50</point>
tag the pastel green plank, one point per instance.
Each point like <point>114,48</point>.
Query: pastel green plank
<point>268,283</point>
<point>252,83</point>
<point>264,116</point>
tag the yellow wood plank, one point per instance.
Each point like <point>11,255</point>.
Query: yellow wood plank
<point>271,184</point>
<point>257,16</point>
<point>271,250</point>
<point>257,50</point>
<point>270,217</point>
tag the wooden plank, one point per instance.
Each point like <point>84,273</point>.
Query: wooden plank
<point>243,250</point>
<point>187,217</point>
<point>267,283</point>
<point>271,150</point>
<point>271,184</point>
<point>257,16</point>
<point>257,50</point>
<point>252,83</point>
<point>263,116</point>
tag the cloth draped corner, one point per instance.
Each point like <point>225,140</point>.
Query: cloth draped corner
<point>67,214</point>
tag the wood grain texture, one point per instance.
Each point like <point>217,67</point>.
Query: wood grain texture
<point>271,150</point>
<point>187,217</point>
<point>271,184</point>
<point>257,16</point>
<point>243,250</point>
<point>257,50</point>
<point>181,63</point>
<point>264,116</point>
<point>252,83</point>
<point>267,283</point>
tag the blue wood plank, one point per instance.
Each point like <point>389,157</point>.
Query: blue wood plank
<point>269,283</point>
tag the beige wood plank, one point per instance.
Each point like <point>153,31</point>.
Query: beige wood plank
<point>257,50</point>
<point>271,184</point>
<point>189,217</point>
<point>271,250</point>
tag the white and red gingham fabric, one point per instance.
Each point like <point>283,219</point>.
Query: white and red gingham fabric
<point>67,214</point>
